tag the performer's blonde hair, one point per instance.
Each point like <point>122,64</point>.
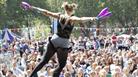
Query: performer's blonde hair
<point>69,7</point>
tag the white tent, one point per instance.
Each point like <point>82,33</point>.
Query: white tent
<point>123,36</point>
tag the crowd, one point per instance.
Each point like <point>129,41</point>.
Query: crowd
<point>90,57</point>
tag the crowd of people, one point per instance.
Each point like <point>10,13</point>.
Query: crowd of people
<point>89,57</point>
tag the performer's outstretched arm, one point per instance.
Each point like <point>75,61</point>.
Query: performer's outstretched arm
<point>82,19</point>
<point>46,12</point>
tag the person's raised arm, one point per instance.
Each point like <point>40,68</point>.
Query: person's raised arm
<point>46,12</point>
<point>82,19</point>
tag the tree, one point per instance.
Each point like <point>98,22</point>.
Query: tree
<point>124,12</point>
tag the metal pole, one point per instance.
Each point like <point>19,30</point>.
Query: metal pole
<point>97,29</point>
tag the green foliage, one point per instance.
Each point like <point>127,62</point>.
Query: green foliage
<point>11,14</point>
<point>44,33</point>
<point>42,30</point>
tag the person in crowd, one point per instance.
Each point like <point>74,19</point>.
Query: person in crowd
<point>41,47</point>
<point>10,74</point>
<point>114,40</point>
<point>4,69</point>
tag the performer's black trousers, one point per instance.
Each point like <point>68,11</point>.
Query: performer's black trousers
<point>62,54</point>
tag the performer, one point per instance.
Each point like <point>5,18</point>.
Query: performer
<point>59,42</point>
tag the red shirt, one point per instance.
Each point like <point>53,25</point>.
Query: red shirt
<point>114,39</point>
